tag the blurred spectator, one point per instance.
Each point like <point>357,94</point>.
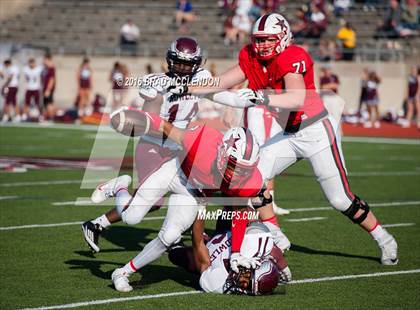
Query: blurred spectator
<point>32,74</point>
<point>230,32</point>
<point>347,36</point>
<point>363,91</point>
<point>410,15</point>
<point>328,51</point>
<point>372,100</point>
<point>48,87</point>
<point>149,68</point>
<point>84,81</point>
<point>117,80</point>
<point>317,23</point>
<point>413,98</point>
<point>393,25</point>
<point>9,89</point>
<point>130,35</point>
<point>341,6</point>
<point>226,7</point>
<point>242,25</point>
<point>270,6</point>
<point>184,14</point>
<point>299,24</point>
<point>328,81</point>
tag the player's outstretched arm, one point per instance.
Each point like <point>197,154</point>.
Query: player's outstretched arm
<point>226,80</point>
<point>200,251</point>
<point>294,96</point>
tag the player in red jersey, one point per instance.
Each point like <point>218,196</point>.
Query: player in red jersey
<point>212,162</point>
<point>271,61</point>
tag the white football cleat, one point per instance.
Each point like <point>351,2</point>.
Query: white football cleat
<point>280,211</point>
<point>120,279</point>
<point>280,240</point>
<point>389,252</point>
<point>108,189</point>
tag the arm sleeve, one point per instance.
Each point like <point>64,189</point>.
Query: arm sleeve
<point>231,99</point>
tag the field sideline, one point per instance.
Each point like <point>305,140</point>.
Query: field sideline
<point>46,265</point>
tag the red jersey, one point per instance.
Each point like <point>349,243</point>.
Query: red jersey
<point>270,75</point>
<point>200,146</point>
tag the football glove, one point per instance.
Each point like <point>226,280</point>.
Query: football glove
<point>178,89</point>
<point>256,97</point>
<point>148,92</point>
<point>236,260</point>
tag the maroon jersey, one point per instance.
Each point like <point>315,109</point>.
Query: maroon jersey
<point>329,79</point>
<point>199,165</point>
<point>412,86</point>
<point>270,74</point>
<point>48,73</point>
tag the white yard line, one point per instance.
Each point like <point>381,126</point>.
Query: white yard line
<point>143,297</point>
<point>376,140</point>
<point>8,197</point>
<point>152,218</point>
<point>373,205</point>
<point>72,203</point>
<point>306,219</point>
<point>57,182</point>
<point>398,225</point>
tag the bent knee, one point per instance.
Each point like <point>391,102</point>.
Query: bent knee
<point>169,236</point>
<point>132,215</point>
<point>340,203</point>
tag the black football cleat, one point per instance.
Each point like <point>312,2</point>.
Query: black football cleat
<point>91,233</point>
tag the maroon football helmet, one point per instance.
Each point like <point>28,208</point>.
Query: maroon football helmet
<point>261,281</point>
<point>184,56</point>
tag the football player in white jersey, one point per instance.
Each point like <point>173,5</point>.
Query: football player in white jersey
<point>32,74</point>
<point>153,154</point>
<point>211,260</point>
<point>9,89</point>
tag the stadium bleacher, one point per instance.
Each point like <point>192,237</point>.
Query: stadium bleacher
<point>92,27</point>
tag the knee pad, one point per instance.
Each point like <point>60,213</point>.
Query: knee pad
<point>357,205</point>
<point>131,215</point>
<point>169,235</point>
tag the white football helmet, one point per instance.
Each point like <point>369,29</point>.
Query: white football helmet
<point>238,153</point>
<point>271,34</point>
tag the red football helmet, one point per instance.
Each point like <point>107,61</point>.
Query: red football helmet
<point>184,56</point>
<point>271,34</point>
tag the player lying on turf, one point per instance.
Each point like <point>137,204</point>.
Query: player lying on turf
<point>272,61</point>
<point>211,163</point>
<point>210,259</point>
<point>153,153</point>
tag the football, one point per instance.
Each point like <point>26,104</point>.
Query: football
<point>131,123</point>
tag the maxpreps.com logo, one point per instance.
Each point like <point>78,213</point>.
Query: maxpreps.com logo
<point>227,215</point>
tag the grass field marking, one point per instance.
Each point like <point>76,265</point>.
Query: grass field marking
<point>356,276</point>
<point>56,182</point>
<point>374,205</point>
<point>8,197</point>
<point>151,218</point>
<point>72,203</point>
<point>306,219</point>
<point>377,140</point>
<point>142,297</point>
<point>399,225</point>
<point>113,300</point>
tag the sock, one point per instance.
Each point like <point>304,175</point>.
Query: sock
<point>152,251</point>
<point>379,234</point>
<point>270,222</point>
<point>238,232</point>
<point>122,198</point>
<point>102,220</point>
